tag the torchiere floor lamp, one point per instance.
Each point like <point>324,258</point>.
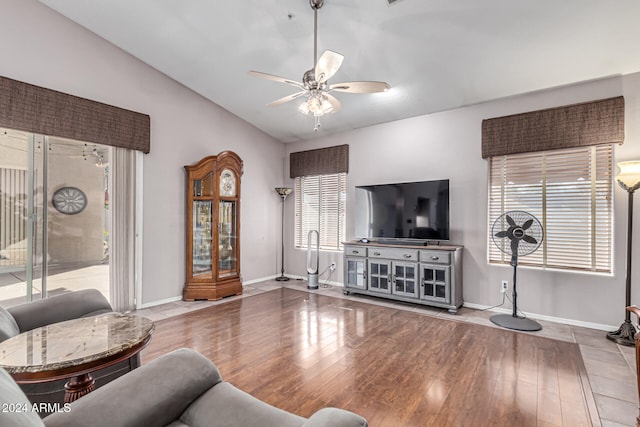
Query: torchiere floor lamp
<point>629,179</point>
<point>283,192</point>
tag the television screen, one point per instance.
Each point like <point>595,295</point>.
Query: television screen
<point>408,210</point>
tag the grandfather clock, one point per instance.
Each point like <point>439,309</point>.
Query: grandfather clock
<point>213,228</point>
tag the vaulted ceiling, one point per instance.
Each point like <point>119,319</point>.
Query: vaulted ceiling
<point>436,54</point>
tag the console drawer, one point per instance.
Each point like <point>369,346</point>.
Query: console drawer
<point>435,257</point>
<point>393,253</point>
<point>355,251</point>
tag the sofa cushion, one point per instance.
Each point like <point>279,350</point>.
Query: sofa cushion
<point>153,395</point>
<point>59,308</point>
<point>224,405</point>
<point>8,325</point>
<point>16,409</point>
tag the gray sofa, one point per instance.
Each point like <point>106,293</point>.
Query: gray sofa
<point>180,389</point>
<point>59,308</point>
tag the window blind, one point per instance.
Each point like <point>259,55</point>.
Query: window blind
<point>570,191</point>
<point>320,205</point>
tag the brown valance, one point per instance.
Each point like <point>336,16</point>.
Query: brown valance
<point>577,125</point>
<point>39,110</point>
<point>322,161</point>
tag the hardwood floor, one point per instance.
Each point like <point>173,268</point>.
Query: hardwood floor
<point>302,351</point>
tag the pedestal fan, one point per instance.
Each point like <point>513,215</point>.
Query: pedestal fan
<point>516,233</point>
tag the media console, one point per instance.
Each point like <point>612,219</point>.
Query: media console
<point>429,275</point>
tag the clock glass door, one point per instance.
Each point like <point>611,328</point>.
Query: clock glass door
<point>202,235</point>
<point>228,240</point>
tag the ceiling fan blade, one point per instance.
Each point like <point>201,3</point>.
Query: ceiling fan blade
<point>327,65</point>
<point>333,101</point>
<point>360,87</point>
<point>286,99</point>
<point>276,78</point>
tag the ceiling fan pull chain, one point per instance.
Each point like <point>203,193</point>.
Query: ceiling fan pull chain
<point>316,126</point>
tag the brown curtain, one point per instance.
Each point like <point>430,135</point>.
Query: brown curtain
<point>578,125</point>
<point>322,161</point>
<point>39,110</point>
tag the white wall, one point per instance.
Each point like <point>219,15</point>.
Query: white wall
<point>41,47</point>
<point>448,145</point>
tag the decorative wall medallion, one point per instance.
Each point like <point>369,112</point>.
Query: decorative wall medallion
<point>69,200</point>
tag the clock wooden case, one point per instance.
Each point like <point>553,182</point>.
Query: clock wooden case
<point>213,228</point>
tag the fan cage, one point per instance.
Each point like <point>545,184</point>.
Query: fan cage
<point>501,224</point>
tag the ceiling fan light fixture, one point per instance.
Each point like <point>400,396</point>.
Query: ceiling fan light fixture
<point>317,104</point>
<point>304,108</point>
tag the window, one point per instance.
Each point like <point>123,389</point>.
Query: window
<point>320,201</point>
<point>570,191</point>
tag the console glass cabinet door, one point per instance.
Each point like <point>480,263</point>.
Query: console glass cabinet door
<point>213,227</point>
<point>404,279</point>
<point>380,276</point>
<point>356,275</point>
<point>435,283</point>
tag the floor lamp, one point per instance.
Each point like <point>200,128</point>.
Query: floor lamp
<point>629,179</point>
<point>283,192</point>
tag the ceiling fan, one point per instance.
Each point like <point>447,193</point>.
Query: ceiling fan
<point>315,85</point>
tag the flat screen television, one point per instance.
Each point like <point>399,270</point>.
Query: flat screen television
<point>407,211</point>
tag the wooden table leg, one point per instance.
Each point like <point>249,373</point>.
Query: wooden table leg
<point>77,387</point>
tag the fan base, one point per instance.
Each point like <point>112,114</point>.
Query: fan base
<point>516,323</point>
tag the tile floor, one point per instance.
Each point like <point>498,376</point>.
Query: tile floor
<point>611,368</point>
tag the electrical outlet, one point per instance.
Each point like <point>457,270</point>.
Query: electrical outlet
<point>504,286</point>
<point>333,266</point>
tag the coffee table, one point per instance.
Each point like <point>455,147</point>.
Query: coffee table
<point>73,349</point>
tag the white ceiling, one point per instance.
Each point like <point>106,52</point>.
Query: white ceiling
<point>435,54</point>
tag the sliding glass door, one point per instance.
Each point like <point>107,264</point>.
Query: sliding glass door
<point>54,216</point>
<point>21,182</point>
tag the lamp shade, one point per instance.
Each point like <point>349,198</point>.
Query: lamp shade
<point>629,176</point>
<point>283,191</point>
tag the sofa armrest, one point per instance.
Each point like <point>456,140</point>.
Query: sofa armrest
<point>334,417</point>
<point>72,305</point>
<point>155,394</point>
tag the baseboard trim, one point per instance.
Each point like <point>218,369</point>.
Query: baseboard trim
<point>554,319</point>
<point>261,279</point>
<point>320,281</point>
<point>561,320</point>
<point>159,302</point>
<point>178,298</point>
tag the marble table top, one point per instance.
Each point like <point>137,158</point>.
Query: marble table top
<point>73,343</point>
